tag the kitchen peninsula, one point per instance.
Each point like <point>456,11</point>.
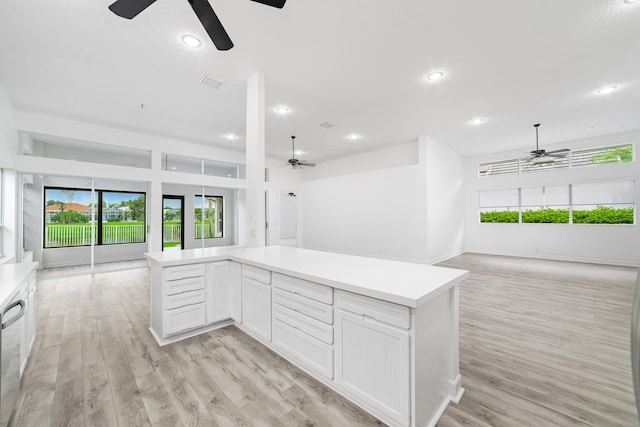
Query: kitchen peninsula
<point>382,333</point>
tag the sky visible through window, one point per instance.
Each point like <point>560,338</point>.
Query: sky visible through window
<point>83,197</point>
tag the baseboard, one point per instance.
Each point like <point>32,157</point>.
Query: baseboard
<point>555,257</point>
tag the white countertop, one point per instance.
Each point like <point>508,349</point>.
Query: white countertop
<point>11,275</point>
<point>406,283</point>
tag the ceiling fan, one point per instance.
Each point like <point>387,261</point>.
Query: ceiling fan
<point>539,156</point>
<point>295,163</point>
<point>131,8</point>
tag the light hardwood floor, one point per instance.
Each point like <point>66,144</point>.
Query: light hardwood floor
<point>542,343</point>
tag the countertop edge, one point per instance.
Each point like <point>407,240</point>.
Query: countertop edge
<point>23,271</point>
<point>385,296</point>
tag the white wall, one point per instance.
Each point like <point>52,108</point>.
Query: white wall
<point>8,150</point>
<point>610,244</point>
<point>8,131</point>
<point>445,201</point>
<point>404,203</point>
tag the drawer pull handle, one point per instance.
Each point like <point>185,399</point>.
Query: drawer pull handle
<point>369,319</point>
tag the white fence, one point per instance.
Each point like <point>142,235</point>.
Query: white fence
<point>64,235</point>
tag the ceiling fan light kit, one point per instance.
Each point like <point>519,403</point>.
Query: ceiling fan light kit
<point>542,157</point>
<point>296,163</point>
<point>129,9</point>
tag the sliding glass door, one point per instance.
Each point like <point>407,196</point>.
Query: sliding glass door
<point>172,222</point>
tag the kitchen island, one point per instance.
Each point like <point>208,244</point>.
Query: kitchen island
<point>382,333</point>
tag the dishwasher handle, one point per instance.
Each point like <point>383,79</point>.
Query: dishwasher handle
<point>15,318</point>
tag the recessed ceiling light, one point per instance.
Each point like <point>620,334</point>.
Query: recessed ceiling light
<point>231,136</point>
<point>591,128</point>
<point>173,168</point>
<point>354,137</point>
<point>477,121</point>
<point>299,152</point>
<point>437,75</point>
<point>190,40</point>
<point>606,90</point>
<point>282,110</point>
<point>630,1</point>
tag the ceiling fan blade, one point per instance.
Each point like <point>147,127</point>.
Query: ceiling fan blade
<point>313,165</point>
<point>211,23</point>
<point>274,3</point>
<point>129,8</point>
<point>563,150</point>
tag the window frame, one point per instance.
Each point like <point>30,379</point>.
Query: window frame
<point>98,224</point>
<point>201,206</point>
<point>569,161</point>
<point>571,205</point>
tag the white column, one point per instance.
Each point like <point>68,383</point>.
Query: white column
<point>154,204</point>
<point>255,205</point>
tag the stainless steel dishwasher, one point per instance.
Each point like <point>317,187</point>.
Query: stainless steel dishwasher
<point>11,320</point>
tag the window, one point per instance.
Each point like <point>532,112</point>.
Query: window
<point>602,156</point>
<point>584,203</point>
<point>118,217</point>
<point>547,204</point>
<point>589,157</point>
<point>604,203</point>
<point>209,217</point>
<point>500,205</point>
<point>122,217</point>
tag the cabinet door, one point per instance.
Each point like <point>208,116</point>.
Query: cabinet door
<point>236,291</point>
<point>219,291</point>
<point>373,363</point>
<point>256,308</point>
<point>184,318</point>
<point>31,315</point>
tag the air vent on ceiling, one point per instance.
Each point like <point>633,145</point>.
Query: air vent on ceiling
<point>211,81</point>
<point>327,125</point>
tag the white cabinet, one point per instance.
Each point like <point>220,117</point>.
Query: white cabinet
<point>31,314</point>
<point>182,300</point>
<point>303,323</point>
<point>218,291</point>
<point>256,301</point>
<point>236,291</point>
<point>373,359</point>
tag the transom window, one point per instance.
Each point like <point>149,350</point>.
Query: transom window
<point>589,157</point>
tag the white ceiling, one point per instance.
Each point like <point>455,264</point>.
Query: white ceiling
<point>359,64</point>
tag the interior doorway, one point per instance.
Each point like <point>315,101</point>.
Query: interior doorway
<point>288,218</point>
<point>172,222</point>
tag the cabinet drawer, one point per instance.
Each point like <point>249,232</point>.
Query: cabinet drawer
<point>309,326</point>
<point>305,288</point>
<point>258,274</point>
<point>306,306</point>
<point>308,351</point>
<point>183,271</point>
<point>184,318</point>
<point>186,298</point>
<point>184,285</point>
<point>383,311</point>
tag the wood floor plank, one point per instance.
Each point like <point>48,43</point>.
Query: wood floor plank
<point>68,405</point>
